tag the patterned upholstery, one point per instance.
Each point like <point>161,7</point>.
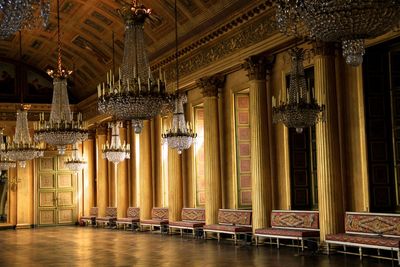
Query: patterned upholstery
<point>228,228</point>
<point>234,217</point>
<point>159,213</point>
<point>133,212</point>
<point>111,212</point>
<point>366,240</point>
<point>287,232</point>
<point>295,219</point>
<point>94,211</point>
<point>193,215</point>
<point>186,224</point>
<point>382,224</point>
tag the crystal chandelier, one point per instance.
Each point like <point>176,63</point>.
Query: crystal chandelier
<point>348,22</point>
<point>181,135</point>
<point>116,152</point>
<point>22,148</point>
<point>22,14</point>
<point>5,162</point>
<point>136,95</point>
<point>61,129</point>
<point>300,109</point>
<point>75,163</point>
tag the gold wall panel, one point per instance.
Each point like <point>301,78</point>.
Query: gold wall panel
<point>46,181</point>
<point>46,217</point>
<point>66,216</point>
<point>64,180</point>
<point>46,164</point>
<point>61,165</point>
<point>46,199</point>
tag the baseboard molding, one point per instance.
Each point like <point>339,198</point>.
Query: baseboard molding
<point>24,226</point>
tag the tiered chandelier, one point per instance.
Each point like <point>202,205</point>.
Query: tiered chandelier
<point>300,109</point>
<point>61,129</point>
<point>348,22</point>
<point>181,135</point>
<point>136,95</point>
<point>115,152</point>
<point>75,163</point>
<point>5,162</point>
<point>21,14</point>
<point>22,148</point>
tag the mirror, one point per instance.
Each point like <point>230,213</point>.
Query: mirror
<point>3,197</point>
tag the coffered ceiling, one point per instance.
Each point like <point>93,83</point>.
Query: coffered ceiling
<point>87,27</point>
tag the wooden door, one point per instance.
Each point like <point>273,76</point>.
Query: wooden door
<point>56,192</point>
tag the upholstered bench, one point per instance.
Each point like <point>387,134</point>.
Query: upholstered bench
<point>291,224</point>
<point>233,222</point>
<point>109,219</point>
<point>91,219</point>
<point>159,218</point>
<point>192,219</point>
<point>369,230</point>
<point>132,219</point>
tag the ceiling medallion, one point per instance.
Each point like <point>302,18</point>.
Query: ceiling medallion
<point>61,129</point>
<point>136,95</point>
<point>348,22</point>
<point>300,109</point>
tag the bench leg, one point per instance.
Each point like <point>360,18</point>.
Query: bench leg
<point>218,236</point>
<point>181,232</point>
<point>360,251</point>
<point>398,257</point>
<point>205,235</point>
<point>256,239</point>
<point>194,232</point>
<point>302,244</point>
<point>235,238</point>
<point>327,249</point>
<point>277,242</point>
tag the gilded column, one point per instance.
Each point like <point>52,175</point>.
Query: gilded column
<point>175,185</point>
<point>158,162</point>
<point>102,171</point>
<point>330,191</point>
<point>210,86</point>
<point>261,183</point>
<point>145,175</point>
<point>122,181</point>
<point>89,173</point>
<point>12,196</point>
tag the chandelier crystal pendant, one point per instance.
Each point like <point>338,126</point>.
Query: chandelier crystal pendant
<point>62,128</point>
<point>17,15</point>
<point>115,152</point>
<point>5,162</point>
<point>181,135</point>
<point>300,109</point>
<point>22,148</point>
<point>348,22</point>
<point>75,163</point>
<point>136,95</point>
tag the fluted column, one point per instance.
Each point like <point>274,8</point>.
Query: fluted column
<point>102,171</point>
<point>12,197</point>
<point>257,67</point>
<point>145,178</point>
<point>210,86</point>
<point>158,161</point>
<point>122,181</point>
<point>89,174</point>
<point>175,185</point>
<point>330,192</point>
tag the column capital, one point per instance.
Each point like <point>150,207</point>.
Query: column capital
<point>258,67</point>
<point>324,48</point>
<point>92,134</point>
<point>211,84</point>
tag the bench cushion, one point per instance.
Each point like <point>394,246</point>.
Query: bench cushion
<point>154,222</point>
<point>365,239</point>
<point>106,219</point>
<point>88,218</point>
<point>295,219</point>
<point>373,223</point>
<point>187,224</point>
<point>287,232</point>
<point>228,228</point>
<point>127,220</point>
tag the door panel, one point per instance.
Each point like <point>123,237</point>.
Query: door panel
<point>56,191</point>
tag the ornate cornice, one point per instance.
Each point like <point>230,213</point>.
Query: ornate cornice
<point>258,67</point>
<point>211,85</point>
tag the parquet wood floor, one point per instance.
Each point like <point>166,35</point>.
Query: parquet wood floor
<point>86,246</point>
